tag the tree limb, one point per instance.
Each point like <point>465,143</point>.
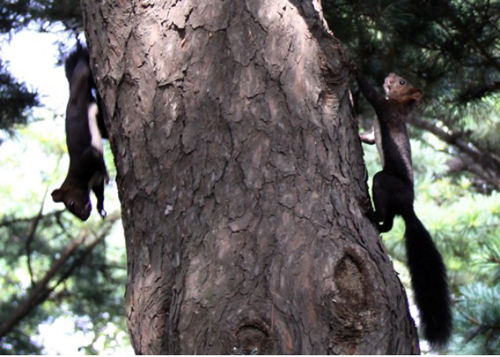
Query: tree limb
<point>7,223</point>
<point>42,289</point>
<point>480,163</point>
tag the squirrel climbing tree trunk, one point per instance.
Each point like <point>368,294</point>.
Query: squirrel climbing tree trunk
<point>242,181</point>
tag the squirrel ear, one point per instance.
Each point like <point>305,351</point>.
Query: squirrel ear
<point>417,97</point>
<point>57,195</point>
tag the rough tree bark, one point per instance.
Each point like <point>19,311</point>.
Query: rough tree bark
<point>242,181</point>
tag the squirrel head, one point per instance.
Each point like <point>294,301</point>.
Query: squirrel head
<point>399,89</point>
<point>76,200</point>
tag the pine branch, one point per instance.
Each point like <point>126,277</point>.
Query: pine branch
<point>11,222</point>
<point>451,13</point>
<point>477,161</point>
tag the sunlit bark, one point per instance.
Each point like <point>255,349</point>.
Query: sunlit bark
<point>242,181</point>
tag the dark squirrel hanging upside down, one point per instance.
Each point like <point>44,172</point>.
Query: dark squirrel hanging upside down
<point>84,133</point>
<point>393,194</point>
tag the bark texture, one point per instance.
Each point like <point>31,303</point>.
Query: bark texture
<point>242,181</point>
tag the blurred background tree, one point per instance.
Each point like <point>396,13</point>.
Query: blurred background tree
<point>56,272</point>
<point>54,266</point>
<point>451,50</point>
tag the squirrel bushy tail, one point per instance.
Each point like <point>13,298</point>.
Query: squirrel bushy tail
<point>429,282</point>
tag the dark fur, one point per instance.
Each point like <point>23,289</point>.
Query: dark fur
<point>87,170</point>
<point>393,195</point>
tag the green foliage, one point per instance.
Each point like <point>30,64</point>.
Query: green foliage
<point>476,321</point>
<point>47,13</point>
<point>447,48</point>
<point>449,45</point>
<point>15,98</point>
<point>15,15</point>
<point>466,228</point>
<point>36,234</point>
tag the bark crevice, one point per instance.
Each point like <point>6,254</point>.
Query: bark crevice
<point>242,182</point>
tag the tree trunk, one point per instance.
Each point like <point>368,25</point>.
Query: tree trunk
<point>242,181</point>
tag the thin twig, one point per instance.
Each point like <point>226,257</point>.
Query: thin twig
<point>30,236</point>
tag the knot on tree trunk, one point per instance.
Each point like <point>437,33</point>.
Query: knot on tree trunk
<point>251,336</point>
<point>352,305</point>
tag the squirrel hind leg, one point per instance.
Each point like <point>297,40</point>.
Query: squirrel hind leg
<point>388,223</point>
<point>391,196</point>
<point>382,203</point>
<point>387,220</point>
<point>381,215</point>
<point>99,193</point>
